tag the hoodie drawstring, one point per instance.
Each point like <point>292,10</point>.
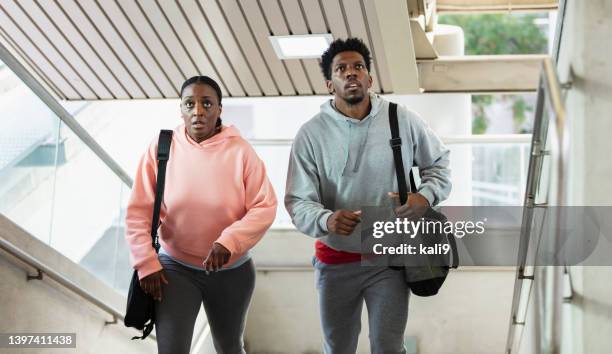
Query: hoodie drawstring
<point>362,146</point>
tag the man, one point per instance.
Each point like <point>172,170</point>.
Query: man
<point>340,161</point>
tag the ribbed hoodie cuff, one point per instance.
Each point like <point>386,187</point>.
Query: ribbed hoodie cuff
<point>149,267</point>
<point>428,194</point>
<point>323,220</point>
<point>229,242</point>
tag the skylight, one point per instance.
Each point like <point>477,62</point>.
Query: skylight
<point>301,46</point>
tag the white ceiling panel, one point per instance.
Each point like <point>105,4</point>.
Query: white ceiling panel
<point>251,51</point>
<point>188,39</point>
<point>145,57</point>
<point>50,51</point>
<point>106,52</point>
<point>167,35</point>
<point>334,15</point>
<point>205,40</point>
<point>61,43</point>
<point>297,25</point>
<point>261,31</point>
<point>87,52</point>
<point>124,49</point>
<point>278,26</point>
<point>230,48</point>
<point>16,51</point>
<point>26,45</point>
<point>314,17</point>
<point>116,42</point>
<point>151,40</point>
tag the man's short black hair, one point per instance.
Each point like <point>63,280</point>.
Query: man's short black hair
<point>340,45</point>
<point>204,80</point>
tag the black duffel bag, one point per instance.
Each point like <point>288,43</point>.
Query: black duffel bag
<point>425,278</point>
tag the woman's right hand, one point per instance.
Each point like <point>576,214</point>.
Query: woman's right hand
<point>152,284</point>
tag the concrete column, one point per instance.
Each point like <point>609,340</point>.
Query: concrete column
<point>585,57</point>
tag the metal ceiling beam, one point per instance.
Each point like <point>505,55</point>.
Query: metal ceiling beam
<point>480,73</point>
<point>398,45</point>
<point>445,6</point>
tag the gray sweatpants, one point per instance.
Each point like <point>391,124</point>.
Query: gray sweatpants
<point>225,294</point>
<point>342,290</point>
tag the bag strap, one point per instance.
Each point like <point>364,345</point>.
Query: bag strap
<point>163,154</point>
<point>396,146</point>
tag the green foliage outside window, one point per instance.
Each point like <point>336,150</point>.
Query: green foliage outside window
<point>493,34</point>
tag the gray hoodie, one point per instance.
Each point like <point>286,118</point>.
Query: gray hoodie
<point>338,162</point>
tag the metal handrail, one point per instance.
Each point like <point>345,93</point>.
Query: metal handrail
<point>548,81</point>
<point>449,139</point>
<point>549,95</point>
<point>443,6</point>
<point>43,269</point>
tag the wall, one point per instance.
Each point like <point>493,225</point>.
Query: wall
<point>46,306</point>
<point>585,61</point>
<point>589,108</point>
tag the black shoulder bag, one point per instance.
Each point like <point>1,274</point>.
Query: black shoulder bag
<point>426,278</point>
<point>140,309</point>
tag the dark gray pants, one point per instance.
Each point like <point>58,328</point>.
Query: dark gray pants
<point>226,296</point>
<point>343,288</point>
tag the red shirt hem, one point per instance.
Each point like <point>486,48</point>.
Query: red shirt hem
<point>328,255</point>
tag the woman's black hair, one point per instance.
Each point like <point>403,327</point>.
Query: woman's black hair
<point>205,80</point>
<point>340,45</point>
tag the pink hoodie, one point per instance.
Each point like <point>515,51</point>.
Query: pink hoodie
<point>216,191</point>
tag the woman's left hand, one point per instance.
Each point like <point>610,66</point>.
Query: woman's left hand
<point>216,258</point>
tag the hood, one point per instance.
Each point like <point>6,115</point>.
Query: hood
<point>329,110</point>
<point>227,132</point>
<point>353,132</point>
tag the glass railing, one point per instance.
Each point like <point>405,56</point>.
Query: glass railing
<point>538,289</point>
<point>29,153</point>
<point>54,186</point>
<point>88,213</point>
<point>494,168</point>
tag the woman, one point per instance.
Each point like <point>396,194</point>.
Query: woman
<point>218,203</point>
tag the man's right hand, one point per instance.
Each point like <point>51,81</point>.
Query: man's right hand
<point>343,221</point>
<point>151,284</point>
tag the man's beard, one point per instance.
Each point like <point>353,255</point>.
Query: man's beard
<point>354,99</point>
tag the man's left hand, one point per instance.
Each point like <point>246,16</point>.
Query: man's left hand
<point>216,258</point>
<point>415,206</point>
